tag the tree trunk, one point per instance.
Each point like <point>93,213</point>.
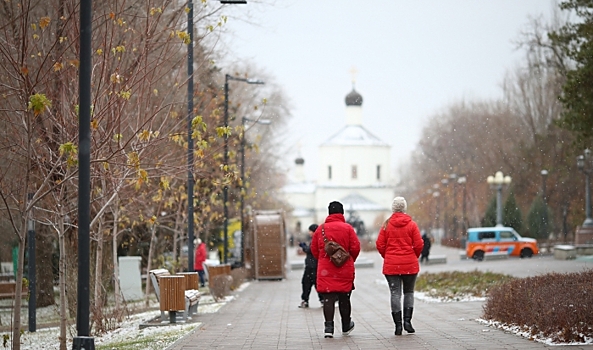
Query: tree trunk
<point>16,322</point>
<point>45,273</point>
<point>148,264</point>
<point>116,286</point>
<point>97,312</point>
<point>62,287</point>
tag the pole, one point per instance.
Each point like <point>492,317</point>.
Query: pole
<point>225,189</point>
<point>243,194</point>
<point>83,341</point>
<point>190,139</point>
<point>588,221</point>
<point>499,205</point>
<point>32,271</point>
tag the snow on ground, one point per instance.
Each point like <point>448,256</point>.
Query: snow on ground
<point>128,330</point>
<point>528,333</point>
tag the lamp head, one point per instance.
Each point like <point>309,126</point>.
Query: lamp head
<point>587,153</point>
<point>444,182</point>
<point>461,180</point>
<point>544,172</point>
<point>254,81</point>
<point>490,180</point>
<point>581,162</point>
<point>506,180</point>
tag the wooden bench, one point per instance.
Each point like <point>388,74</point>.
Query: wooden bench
<point>174,295</point>
<point>8,290</point>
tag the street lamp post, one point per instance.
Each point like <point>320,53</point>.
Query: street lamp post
<point>225,191</point>
<point>544,173</point>
<point>243,121</point>
<point>462,180</point>
<point>584,165</point>
<point>445,182</point>
<point>453,177</point>
<point>497,181</point>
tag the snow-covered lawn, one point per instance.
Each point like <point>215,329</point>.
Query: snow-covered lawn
<point>127,336</point>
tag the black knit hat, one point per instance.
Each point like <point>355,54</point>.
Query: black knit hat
<point>313,227</point>
<point>336,208</point>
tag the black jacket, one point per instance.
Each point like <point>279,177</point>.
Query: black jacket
<point>310,260</point>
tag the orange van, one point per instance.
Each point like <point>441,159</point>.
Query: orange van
<point>483,240</point>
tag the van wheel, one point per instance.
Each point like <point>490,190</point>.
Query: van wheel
<point>526,253</point>
<point>478,255</point>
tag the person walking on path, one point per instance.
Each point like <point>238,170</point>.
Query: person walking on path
<point>310,275</point>
<point>335,283</point>
<point>426,248</point>
<point>399,243</point>
<point>199,260</point>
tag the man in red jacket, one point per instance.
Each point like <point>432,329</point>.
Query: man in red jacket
<point>335,283</point>
<point>400,244</point>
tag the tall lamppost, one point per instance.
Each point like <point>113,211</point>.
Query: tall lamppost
<point>544,174</point>
<point>452,178</point>
<point>225,191</point>
<point>445,182</point>
<point>436,195</point>
<point>243,121</point>
<point>497,181</point>
<point>584,165</point>
<point>462,180</point>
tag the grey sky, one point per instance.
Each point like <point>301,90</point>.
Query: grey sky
<point>414,58</point>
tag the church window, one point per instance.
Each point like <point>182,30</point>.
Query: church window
<point>329,172</point>
<point>378,172</point>
<point>354,172</point>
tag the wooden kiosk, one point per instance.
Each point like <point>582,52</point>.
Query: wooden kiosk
<point>265,247</point>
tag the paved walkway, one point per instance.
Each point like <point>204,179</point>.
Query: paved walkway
<point>265,315</point>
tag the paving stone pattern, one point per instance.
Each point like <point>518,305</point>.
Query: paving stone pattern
<point>265,315</point>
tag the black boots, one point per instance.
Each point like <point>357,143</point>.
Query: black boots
<point>408,320</point>
<point>347,327</point>
<point>329,329</point>
<point>397,318</point>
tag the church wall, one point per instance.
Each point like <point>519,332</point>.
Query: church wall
<point>366,159</point>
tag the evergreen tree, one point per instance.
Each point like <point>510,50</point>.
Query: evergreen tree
<point>489,218</point>
<point>539,219</point>
<point>511,214</point>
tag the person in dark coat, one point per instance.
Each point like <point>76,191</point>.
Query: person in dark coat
<point>335,283</point>
<point>426,248</point>
<point>399,243</point>
<point>310,275</point>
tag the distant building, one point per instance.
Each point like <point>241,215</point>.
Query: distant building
<point>354,168</point>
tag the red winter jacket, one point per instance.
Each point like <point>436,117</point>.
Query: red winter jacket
<point>332,279</point>
<point>200,257</point>
<point>400,245</point>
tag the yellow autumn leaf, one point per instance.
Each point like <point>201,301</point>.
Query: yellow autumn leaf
<point>99,52</point>
<point>35,36</point>
<point>44,22</point>
<point>94,124</point>
<point>144,135</point>
<point>58,66</point>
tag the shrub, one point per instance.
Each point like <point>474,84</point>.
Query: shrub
<point>456,284</point>
<point>555,306</point>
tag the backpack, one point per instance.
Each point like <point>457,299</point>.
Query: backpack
<point>337,254</point>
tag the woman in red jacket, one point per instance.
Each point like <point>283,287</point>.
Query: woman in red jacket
<point>199,260</point>
<point>335,283</point>
<point>400,245</point>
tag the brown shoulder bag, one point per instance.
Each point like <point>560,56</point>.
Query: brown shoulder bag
<point>337,254</point>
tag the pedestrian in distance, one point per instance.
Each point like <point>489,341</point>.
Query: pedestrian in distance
<point>199,260</point>
<point>335,283</point>
<point>310,274</point>
<point>426,248</point>
<point>399,243</point>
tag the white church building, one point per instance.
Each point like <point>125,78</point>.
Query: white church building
<point>354,169</point>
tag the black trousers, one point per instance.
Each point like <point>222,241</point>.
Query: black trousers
<point>309,280</point>
<point>329,307</point>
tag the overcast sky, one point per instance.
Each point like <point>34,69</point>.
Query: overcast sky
<point>414,58</point>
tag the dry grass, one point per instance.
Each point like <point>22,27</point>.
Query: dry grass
<point>457,284</point>
<point>556,306</point>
